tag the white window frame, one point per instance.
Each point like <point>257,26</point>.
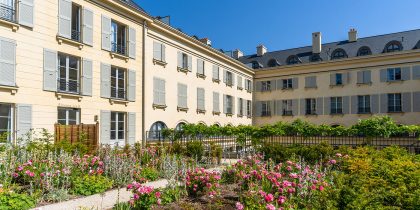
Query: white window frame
<point>115,25</point>
<point>265,86</point>
<point>229,78</point>
<point>287,109</point>
<point>310,108</point>
<point>248,108</point>
<point>336,105</point>
<point>10,119</point>
<point>241,107</point>
<point>394,104</point>
<point>116,130</point>
<point>67,115</point>
<point>117,83</point>
<point>287,83</point>
<point>265,108</point>
<point>229,104</point>
<point>392,74</point>
<point>68,69</point>
<point>363,104</point>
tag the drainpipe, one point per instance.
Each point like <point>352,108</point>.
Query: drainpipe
<point>143,85</point>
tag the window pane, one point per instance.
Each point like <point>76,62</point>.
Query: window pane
<point>62,122</point>
<point>120,134</point>
<point>73,62</point>
<point>113,134</point>
<point>61,114</point>
<point>5,110</point>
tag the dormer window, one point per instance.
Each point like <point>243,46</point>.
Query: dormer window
<point>338,54</point>
<point>293,59</point>
<point>273,63</point>
<point>316,58</point>
<point>393,46</point>
<point>363,51</point>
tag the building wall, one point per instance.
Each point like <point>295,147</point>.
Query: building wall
<point>170,115</point>
<point>406,60</point>
<point>30,45</point>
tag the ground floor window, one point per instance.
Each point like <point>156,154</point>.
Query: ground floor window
<point>156,129</point>
<point>118,122</point>
<point>6,122</point>
<point>394,102</point>
<point>68,116</point>
<point>336,105</point>
<point>180,126</point>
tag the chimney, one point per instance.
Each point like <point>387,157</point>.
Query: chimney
<point>352,35</point>
<point>237,54</point>
<point>316,42</point>
<point>261,50</point>
<point>206,41</point>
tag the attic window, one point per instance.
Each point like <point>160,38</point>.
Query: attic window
<point>393,46</point>
<point>316,58</point>
<point>256,65</point>
<point>293,59</point>
<point>338,54</point>
<point>273,63</point>
<point>363,51</point>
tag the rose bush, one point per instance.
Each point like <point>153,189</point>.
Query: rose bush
<point>200,181</point>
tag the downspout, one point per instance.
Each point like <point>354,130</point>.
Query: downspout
<point>143,85</point>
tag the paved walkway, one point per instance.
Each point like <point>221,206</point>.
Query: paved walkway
<point>109,199</point>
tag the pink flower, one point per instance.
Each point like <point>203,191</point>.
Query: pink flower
<point>282,199</point>
<point>269,198</point>
<point>338,154</point>
<point>239,206</point>
<point>15,175</point>
<point>20,168</point>
<point>332,162</point>
<point>157,194</point>
<point>270,207</point>
<point>321,188</point>
<point>159,202</point>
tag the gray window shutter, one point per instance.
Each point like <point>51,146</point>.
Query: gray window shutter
<point>295,83</point>
<point>367,78</point>
<point>354,104</point>
<point>131,128</point>
<point>162,89</point>
<point>190,67</point>
<point>383,75</point>
<point>88,27</point>
<point>295,107</point>
<point>105,80</point>
<point>302,106</point>
<point>310,82</point>
<point>244,107</point>
<point>7,62</point>
<point>105,124</point>
<point>131,96</point>
<point>406,102</point>
<point>216,104</point>
<point>374,103</point>
<point>405,73</point>
<point>346,104</point>
<point>224,104</point>
<point>156,83</point>
<point>106,33</point>
<point>225,76</point>
<point>179,59</point>
<point>278,108</point>
<point>278,84</point>
<point>319,106</point>
<point>201,99</point>
<point>416,72</point>
<point>416,101</point>
<point>64,18</point>
<point>233,105</point>
<point>252,85</point>
<point>215,72</point>
<point>360,77</point>
<point>163,52</point>
<point>157,51</point>
<point>233,79</point>
<point>200,66</point>
<point>327,105</point>
<point>258,109</point>
<point>346,78</point>
<point>132,43</point>
<point>26,13</point>
<point>332,79</point>
<point>24,119</point>
<point>384,103</point>
<point>182,95</point>
<point>50,70</point>
<point>87,77</point>
<point>258,86</point>
<point>239,80</point>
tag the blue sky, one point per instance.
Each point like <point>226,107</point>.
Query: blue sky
<point>283,24</point>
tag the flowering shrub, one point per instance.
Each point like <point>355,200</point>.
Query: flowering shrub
<point>201,181</point>
<point>144,197</point>
<point>91,184</point>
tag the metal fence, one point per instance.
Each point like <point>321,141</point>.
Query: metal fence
<point>232,145</point>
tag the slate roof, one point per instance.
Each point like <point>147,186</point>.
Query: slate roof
<point>133,5</point>
<point>409,40</point>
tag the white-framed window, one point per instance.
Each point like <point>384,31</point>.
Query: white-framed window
<point>159,93</point>
<point>287,108</point>
<point>68,116</point>
<point>8,10</point>
<point>249,108</point>
<point>229,104</point>
<point>336,105</point>
<point>118,82</point>
<point>394,74</point>
<point>200,67</point>
<point>184,61</point>
<point>118,125</point>
<point>229,78</point>
<point>118,38</point>
<point>265,86</point>
<point>241,106</point>
<point>155,131</point>
<point>248,85</point>
<point>216,73</point>
<point>394,102</point>
<point>201,103</point>
<point>265,108</point>
<point>76,26</point>
<point>287,83</point>
<point>159,51</point>
<point>216,103</point>
<point>6,122</point>
<point>363,103</point>
<point>310,106</point>
<point>69,73</point>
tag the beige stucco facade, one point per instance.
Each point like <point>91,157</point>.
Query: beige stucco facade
<point>409,87</point>
<point>171,114</point>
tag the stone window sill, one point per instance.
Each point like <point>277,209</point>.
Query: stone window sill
<point>229,115</point>
<point>287,89</point>
<point>12,89</point>
<point>201,111</point>
<point>240,88</point>
<point>248,91</point>
<point>60,95</point>
<point>249,117</point>
<point>120,56</point>
<point>216,80</point>
<point>159,106</point>
<point>395,112</point>
<point>14,26</point>
<point>182,109</point>
<point>118,101</point>
<point>394,81</point>
<point>331,86</point>
<point>311,115</point>
<point>367,83</point>
<point>311,87</point>
<point>240,115</point>
<point>159,62</point>
<point>61,39</point>
<point>184,70</point>
<point>216,113</point>
<point>201,76</point>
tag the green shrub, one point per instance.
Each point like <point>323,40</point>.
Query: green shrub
<point>90,185</point>
<point>195,149</point>
<point>170,195</point>
<point>149,173</point>
<point>12,201</point>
